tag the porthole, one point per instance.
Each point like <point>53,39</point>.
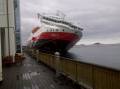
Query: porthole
<point>76,32</point>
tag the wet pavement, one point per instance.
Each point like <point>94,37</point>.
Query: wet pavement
<point>33,75</point>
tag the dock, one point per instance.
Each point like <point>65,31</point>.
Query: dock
<point>32,75</point>
<point>87,75</point>
<point>46,71</point>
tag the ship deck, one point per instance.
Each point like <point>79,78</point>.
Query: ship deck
<point>32,75</point>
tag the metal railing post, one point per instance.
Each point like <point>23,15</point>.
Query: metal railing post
<point>57,63</point>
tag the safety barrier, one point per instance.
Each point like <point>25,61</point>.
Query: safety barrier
<point>88,75</point>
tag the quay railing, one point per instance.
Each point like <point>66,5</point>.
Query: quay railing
<point>87,75</point>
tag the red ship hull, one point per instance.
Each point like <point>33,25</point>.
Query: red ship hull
<point>55,41</point>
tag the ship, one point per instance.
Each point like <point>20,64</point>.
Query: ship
<point>55,34</point>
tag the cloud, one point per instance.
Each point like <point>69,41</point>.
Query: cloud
<point>99,18</point>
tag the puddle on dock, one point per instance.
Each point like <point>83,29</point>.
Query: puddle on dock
<point>35,86</point>
<point>27,65</point>
<point>29,75</point>
<point>52,86</point>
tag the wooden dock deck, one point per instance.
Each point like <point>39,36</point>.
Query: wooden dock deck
<point>31,75</point>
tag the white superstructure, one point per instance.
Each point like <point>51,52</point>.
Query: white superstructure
<point>58,22</point>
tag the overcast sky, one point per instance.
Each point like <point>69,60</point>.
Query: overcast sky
<point>100,19</point>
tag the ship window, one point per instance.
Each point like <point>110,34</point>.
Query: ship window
<point>76,32</point>
<point>56,29</point>
<point>63,30</point>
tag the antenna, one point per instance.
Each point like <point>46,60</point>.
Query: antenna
<point>38,15</point>
<point>60,13</point>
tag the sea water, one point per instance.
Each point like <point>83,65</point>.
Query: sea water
<point>107,55</point>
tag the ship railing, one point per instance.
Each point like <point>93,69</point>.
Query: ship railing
<point>60,21</point>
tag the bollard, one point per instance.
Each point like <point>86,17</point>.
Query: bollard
<point>57,57</point>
